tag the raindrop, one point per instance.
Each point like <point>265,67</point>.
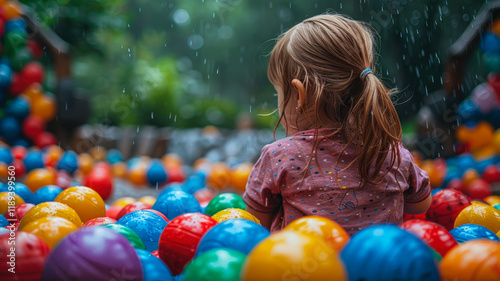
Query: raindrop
<point>152,115</point>
<point>123,90</point>
<point>181,17</point>
<point>250,108</point>
<point>140,10</point>
<point>195,42</point>
<point>137,129</point>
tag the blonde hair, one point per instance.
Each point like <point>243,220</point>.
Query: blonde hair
<point>328,53</point>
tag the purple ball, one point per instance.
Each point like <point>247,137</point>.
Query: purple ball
<point>484,97</point>
<point>93,253</point>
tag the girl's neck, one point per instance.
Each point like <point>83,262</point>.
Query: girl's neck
<point>305,121</point>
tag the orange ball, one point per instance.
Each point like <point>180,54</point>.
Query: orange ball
<point>124,201</point>
<point>120,169</point>
<point>33,92</point>
<point>50,209</point>
<point>332,233</point>
<point>13,9</point>
<point>171,159</point>
<point>472,260</point>
<point>496,141</point>
<point>137,175</point>
<point>44,108</point>
<point>469,176</point>
<point>492,200</point>
<point>40,177</point>
<point>5,198</point>
<point>4,171</point>
<point>51,229</point>
<point>98,152</point>
<point>150,200</point>
<point>436,176</point>
<point>85,163</point>
<point>239,176</point>
<point>219,176</point>
<point>52,155</point>
<point>85,201</point>
<point>417,158</point>
<point>495,27</point>
<point>481,214</point>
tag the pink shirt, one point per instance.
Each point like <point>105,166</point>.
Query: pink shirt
<point>275,184</point>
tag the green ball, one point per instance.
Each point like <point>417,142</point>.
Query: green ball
<point>215,265</point>
<point>13,42</point>
<point>224,201</point>
<point>131,236</point>
<point>492,62</point>
<point>21,57</point>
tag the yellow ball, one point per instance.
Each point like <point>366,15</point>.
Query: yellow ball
<point>289,255</point>
<point>234,213</point>
<point>331,232</point>
<point>50,229</point>
<point>124,201</point>
<point>5,198</point>
<point>492,200</point>
<point>150,200</point>
<point>50,209</point>
<point>87,203</point>
<point>481,214</point>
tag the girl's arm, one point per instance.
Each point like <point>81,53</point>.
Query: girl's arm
<point>419,207</point>
<point>266,219</point>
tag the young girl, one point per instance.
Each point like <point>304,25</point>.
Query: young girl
<point>342,157</point>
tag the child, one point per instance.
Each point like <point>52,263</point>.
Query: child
<point>342,157</point>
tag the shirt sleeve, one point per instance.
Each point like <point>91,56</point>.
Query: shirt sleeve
<point>418,181</point>
<point>262,193</point>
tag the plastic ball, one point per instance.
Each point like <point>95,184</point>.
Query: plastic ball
<point>46,194</point>
<point>5,155</point>
<point>10,128</point>
<point>85,201</point>
<point>480,214</point>
<point>52,155</point>
<point>124,201</point>
<point>50,229</point>
<point>158,213</point>
<point>13,41</point>
<point>180,238</point>
<point>113,211</point>
<point>156,174</point>
<point>233,213</point>
<point>44,108</point>
<point>236,234</point>
<point>490,43</point>
<point>468,232</point>
<point>492,62</point>
<point>375,253</point>
<point>12,10</point>
<point>9,197</point>
<point>18,107</point>
<point>5,76</point>
<point>3,221</point>
<point>19,169</point>
<point>176,174</point>
<point>445,207</point>
<point>137,175</point>
<point>456,184</point>
<point>473,260</point>
<point>332,233</point>
<point>219,176</point>
<point>101,182</point>
<point>492,200</point>
<point>50,209</point>
<point>175,203</point>
<point>153,268</point>
<point>21,210</point>
<point>224,201</point>
<point>93,253</point>
<point>35,48</point>
<point>29,256</point>
<point>215,265</point>
<point>128,233</point>
<point>33,72</point>
<point>136,206</point>
<point>468,111</point>
<point>23,191</point>
<point>491,174</point>
<point>38,178</point>
<point>114,156</point>
<point>68,162</point>
<point>119,170</point>
<point>85,162</point>
<point>239,176</point>
<point>33,126</point>
<point>150,200</point>
<point>20,59</point>
<point>479,189</point>
<point>19,152</point>
<point>435,235</point>
<point>147,225</point>
<point>99,221</point>
<point>33,160</point>
<point>274,257</point>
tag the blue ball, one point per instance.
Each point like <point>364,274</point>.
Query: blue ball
<point>194,183</point>
<point>175,203</point>
<point>19,24</point>
<point>23,191</point>
<point>5,155</point>
<point>3,187</point>
<point>18,107</point>
<point>147,225</point>
<point>68,162</point>
<point>4,230</point>
<point>465,162</point>
<point>490,43</point>
<point>47,193</point>
<point>21,142</point>
<point>237,234</point>
<point>133,161</point>
<point>156,174</point>
<point>5,76</point>
<point>468,111</point>
<point>386,252</point>
<point>10,128</point>
<point>33,160</point>
<point>3,221</point>
<point>114,156</point>
<point>468,232</point>
<point>435,190</point>
<point>153,268</point>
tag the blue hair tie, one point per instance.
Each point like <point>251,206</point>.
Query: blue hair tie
<point>365,73</point>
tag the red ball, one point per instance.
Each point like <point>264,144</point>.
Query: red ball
<point>18,84</point>
<point>20,169</point>
<point>180,238</point>
<point>435,235</point>
<point>35,48</point>
<point>158,213</point>
<point>33,127</point>
<point>456,184</point>
<point>422,216</point>
<point>45,139</point>
<point>136,206</point>
<point>19,152</point>
<point>33,73</point>
<point>63,179</point>
<point>22,209</point>
<point>30,255</point>
<point>445,207</point>
<point>3,16</point>
<point>155,253</point>
<point>112,212</point>
<point>491,174</point>
<point>101,182</point>
<point>176,174</point>
<point>103,166</point>
<point>479,189</point>
<point>99,221</point>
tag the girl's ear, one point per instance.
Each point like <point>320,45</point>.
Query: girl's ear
<point>301,99</point>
